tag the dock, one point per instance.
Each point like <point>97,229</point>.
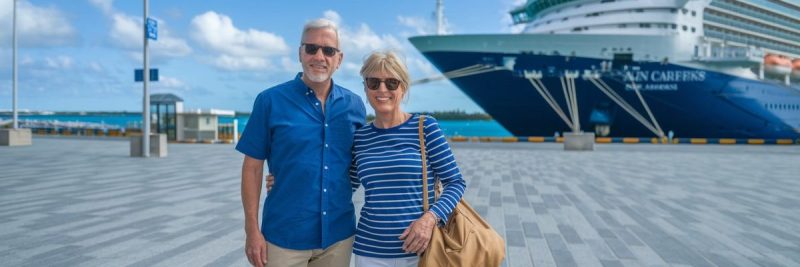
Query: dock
<point>84,202</point>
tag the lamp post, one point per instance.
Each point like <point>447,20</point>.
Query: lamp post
<point>15,124</point>
<point>146,106</point>
<point>15,136</point>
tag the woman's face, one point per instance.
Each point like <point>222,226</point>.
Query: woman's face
<point>384,92</point>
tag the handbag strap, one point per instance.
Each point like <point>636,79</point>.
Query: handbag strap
<point>422,149</point>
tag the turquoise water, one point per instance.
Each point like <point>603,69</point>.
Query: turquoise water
<point>450,128</point>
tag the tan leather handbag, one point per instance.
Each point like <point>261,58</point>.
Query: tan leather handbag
<point>466,239</point>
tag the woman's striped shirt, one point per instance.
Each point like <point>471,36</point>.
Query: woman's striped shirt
<point>388,164</point>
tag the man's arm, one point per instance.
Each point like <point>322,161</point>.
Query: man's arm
<point>255,246</point>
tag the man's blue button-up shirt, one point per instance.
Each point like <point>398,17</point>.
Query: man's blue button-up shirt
<point>309,152</point>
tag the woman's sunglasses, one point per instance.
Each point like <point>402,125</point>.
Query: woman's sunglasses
<point>373,83</point>
<point>312,49</point>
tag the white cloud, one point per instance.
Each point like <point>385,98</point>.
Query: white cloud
<point>107,6</point>
<point>96,67</point>
<point>36,26</point>
<point>357,42</point>
<point>233,48</point>
<point>290,63</point>
<point>168,82</point>
<point>52,63</point>
<point>332,16</point>
<point>126,33</point>
<point>60,62</point>
<point>421,26</point>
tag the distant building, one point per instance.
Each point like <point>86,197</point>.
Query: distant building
<point>169,117</point>
<point>200,125</point>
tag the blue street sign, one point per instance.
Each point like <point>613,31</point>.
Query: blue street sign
<point>152,29</point>
<point>138,75</point>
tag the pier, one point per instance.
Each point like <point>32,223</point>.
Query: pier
<point>84,202</point>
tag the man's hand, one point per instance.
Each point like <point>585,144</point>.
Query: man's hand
<point>269,180</point>
<point>418,235</point>
<point>256,249</point>
<point>255,246</point>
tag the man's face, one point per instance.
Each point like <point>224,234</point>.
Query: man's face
<point>319,65</point>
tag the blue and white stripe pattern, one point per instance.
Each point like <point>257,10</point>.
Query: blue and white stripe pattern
<point>388,163</point>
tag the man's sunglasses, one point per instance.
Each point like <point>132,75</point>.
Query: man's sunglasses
<point>373,83</point>
<point>312,49</point>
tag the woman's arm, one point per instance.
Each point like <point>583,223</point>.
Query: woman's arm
<point>445,168</point>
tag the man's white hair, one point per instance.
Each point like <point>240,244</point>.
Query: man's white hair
<point>320,24</point>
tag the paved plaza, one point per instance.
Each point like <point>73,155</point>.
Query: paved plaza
<point>81,202</point>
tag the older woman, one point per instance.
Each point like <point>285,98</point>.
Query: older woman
<point>393,229</point>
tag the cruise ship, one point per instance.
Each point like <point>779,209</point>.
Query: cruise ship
<point>634,68</point>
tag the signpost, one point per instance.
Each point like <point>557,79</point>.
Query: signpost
<point>150,32</point>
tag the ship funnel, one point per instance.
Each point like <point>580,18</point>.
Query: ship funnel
<point>440,17</point>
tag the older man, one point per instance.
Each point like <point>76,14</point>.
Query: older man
<point>304,130</point>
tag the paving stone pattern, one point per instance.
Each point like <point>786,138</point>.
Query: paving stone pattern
<point>74,202</point>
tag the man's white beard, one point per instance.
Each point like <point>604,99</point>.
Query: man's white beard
<point>317,78</point>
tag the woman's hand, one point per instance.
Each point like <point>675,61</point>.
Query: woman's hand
<point>270,180</point>
<point>418,235</point>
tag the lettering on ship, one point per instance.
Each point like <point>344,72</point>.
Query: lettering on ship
<point>660,80</point>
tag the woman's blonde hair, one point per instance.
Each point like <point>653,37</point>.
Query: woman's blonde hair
<point>388,62</point>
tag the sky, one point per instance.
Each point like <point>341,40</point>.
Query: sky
<point>80,55</point>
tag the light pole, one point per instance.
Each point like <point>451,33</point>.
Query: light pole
<point>146,76</point>
<point>15,124</point>
<point>14,136</point>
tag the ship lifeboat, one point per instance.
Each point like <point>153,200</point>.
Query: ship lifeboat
<point>777,64</point>
<point>796,69</point>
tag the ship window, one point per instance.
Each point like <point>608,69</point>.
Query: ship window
<point>623,26</point>
<point>693,29</point>
<point>576,29</point>
<point>684,10</point>
<point>694,13</point>
<point>685,27</point>
<point>565,19</point>
<point>639,10</point>
<point>673,10</point>
<point>674,26</point>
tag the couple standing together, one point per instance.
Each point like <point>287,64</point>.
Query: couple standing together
<point>313,135</point>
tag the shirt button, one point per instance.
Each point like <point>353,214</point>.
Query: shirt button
<point>326,167</point>
<point>316,103</point>
<point>324,213</point>
<point>324,190</point>
<point>326,145</point>
<point>326,125</point>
